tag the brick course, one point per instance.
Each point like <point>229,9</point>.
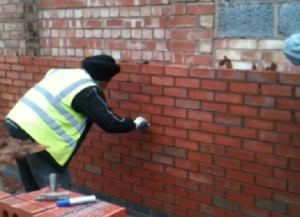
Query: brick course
<point>222,142</point>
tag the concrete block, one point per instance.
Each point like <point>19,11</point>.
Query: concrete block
<point>226,204</point>
<point>289,18</point>
<point>242,20</point>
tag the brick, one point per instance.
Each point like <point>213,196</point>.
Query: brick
<point>240,197</point>
<point>271,205</point>
<point>175,92</point>
<point>226,204</point>
<point>200,197</point>
<point>227,162</point>
<point>229,98</point>
<point>227,184</point>
<point>231,75</point>
<point>202,73</point>
<point>273,137</point>
<point>211,106</point>
<point>253,211</point>
<point>213,85</point>
<point>188,184</point>
<point>287,127</point>
<point>181,71</point>
<point>276,90</point>
<point>164,197</point>
<point>187,46</point>
<point>186,144</point>
<point>174,209</point>
<point>258,146</point>
<point>240,176</point>
<point>186,164</point>
<point>182,21</point>
<point>210,210</point>
<point>162,178</point>
<point>200,137</point>
<point>259,101</point>
<point>228,141</point>
<point>257,168</point>
<point>286,151</point>
<point>176,172</point>
<point>293,210</point>
<point>272,160</point>
<point>213,128</point>
<point>199,157</point>
<point>187,124</point>
<point>162,81</point>
<point>262,77</point>
<point>200,115</point>
<point>243,110</point>
<point>189,204</point>
<point>211,148</point>
<point>187,103</point>
<point>187,82</point>
<point>258,124</point>
<point>271,183</point>
<point>257,191</point>
<point>286,198</point>
<point>285,103</point>
<point>201,95</point>
<point>294,188</point>
<point>213,170</point>
<point>289,79</point>
<point>162,100</point>
<point>242,132</point>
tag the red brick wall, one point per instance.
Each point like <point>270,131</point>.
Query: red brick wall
<point>221,143</point>
<point>155,30</point>
<point>18,27</point>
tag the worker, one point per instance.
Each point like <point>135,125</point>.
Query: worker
<point>58,112</point>
<point>291,49</point>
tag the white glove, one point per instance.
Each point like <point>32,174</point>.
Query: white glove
<point>141,123</point>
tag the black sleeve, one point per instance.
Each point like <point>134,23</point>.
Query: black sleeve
<point>92,103</point>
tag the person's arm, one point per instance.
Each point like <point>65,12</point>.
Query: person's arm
<point>91,102</point>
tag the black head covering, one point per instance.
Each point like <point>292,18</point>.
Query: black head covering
<point>100,67</point>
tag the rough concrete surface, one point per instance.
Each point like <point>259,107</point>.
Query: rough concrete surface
<point>289,18</point>
<point>242,20</point>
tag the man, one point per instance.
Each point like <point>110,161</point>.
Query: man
<point>291,49</point>
<point>58,112</point>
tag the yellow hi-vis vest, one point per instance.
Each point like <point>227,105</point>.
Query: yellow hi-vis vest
<point>45,112</point>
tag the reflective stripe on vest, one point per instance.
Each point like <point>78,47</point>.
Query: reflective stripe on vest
<point>55,102</point>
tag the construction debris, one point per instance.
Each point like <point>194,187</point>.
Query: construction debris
<point>11,148</point>
<point>10,184</point>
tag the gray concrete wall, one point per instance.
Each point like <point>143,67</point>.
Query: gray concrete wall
<point>258,18</point>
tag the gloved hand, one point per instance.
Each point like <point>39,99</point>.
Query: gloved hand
<point>141,123</point>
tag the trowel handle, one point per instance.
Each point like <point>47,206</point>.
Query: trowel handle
<point>52,181</point>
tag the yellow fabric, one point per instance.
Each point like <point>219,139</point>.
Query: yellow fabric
<point>30,121</point>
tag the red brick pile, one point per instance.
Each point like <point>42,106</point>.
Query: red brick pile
<point>24,205</point>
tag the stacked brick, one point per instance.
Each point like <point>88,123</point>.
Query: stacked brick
<point>24,205</point>
<point>221,142</point>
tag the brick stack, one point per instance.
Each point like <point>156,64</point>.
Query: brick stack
<point>24,205</point>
